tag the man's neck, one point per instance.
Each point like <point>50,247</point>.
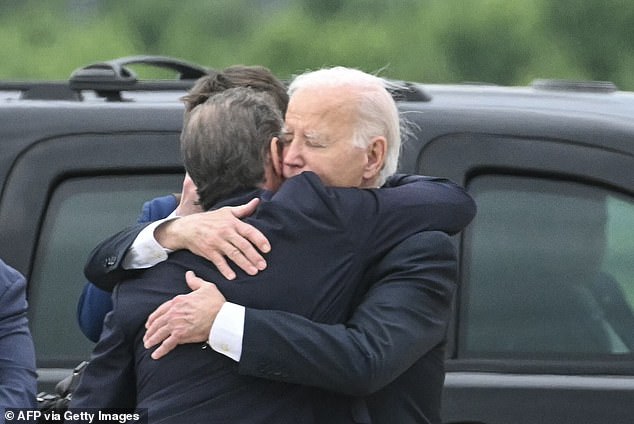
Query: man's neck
<point>238,197</point>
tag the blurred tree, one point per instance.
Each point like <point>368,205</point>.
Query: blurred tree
<point>323,9</point>
<point>599,34</point>
<point>490,45</point>
<point>50,46</point>
<point>431,41</point>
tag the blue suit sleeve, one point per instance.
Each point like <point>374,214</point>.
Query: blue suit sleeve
<point>18,378</point>
<point>94,302</point>
<point>157,208</point>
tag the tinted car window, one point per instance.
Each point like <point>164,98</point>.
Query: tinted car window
<point>81,213</point>
<point>548,271</point>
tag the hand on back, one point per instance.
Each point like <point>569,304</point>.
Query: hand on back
<point>217,235</point>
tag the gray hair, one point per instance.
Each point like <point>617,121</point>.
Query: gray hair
<point>225,142</point>
<point>378,114</point>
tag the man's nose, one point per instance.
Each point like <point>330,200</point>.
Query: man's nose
<point>292,154</point>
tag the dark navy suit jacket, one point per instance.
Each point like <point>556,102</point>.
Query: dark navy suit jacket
<point>18,379</point>
<point>390,351</point>
<point>324,240</point>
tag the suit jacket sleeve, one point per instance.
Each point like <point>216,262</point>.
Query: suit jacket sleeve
<point>407,204</point>
<point>442,204</point>
<point>103,267</point>
<point>402,317</point>
<point>17,354</point>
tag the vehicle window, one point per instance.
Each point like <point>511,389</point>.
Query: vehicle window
<point>549,270</point>
<point>81,213</point>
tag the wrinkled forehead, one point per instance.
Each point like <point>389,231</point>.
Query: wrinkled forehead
<point>322,109</point>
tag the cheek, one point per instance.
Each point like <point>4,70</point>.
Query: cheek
<point>341,172</point>
<point>328,164</point>
<point>337,167</point>
<point>352,160</point>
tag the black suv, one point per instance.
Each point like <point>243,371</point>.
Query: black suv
<point>543,330</point>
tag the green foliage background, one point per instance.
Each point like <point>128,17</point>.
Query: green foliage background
<point>498,41</point>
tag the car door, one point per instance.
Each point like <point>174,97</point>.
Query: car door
<point>62,196</point>
<point>543,329</point>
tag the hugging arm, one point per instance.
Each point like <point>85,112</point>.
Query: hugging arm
<point>440,204</point>
<point>402,317</point>
<point>436,204</point>
<point>215,235</point>
<point>104,267</point>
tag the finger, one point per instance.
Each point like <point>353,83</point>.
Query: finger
<point>254,236</point>
<point>156,324</point>
<point>245,210</point>
<point>237,257</point>
<point>193,281</point>
<point>158,313</point>
<point>244,254</point>
<point>160,324</point>
<point>219,255</point>
<point>166,347</point>
<point>221,263</point>
<point>156,334</point>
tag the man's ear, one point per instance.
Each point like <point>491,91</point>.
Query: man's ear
<point>376,151</point>
<point>276,156</point>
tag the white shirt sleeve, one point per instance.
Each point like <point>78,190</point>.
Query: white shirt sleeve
<point>227,331</point>
<point>145,251</point>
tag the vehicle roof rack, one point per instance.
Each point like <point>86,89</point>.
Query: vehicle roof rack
<point>578,86</point>
<point>108,79</point>
<point>41,90</point>
<point>408,92</point>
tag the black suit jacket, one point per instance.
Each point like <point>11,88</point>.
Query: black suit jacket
<point>324,240</point>
<point>391,349</point>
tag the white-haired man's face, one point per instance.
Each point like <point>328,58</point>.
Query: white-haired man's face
<point>318,137</point>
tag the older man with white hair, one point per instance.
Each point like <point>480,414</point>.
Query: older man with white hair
<point>343,125</point>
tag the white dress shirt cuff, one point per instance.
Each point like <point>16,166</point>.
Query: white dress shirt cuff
<point>145,251</point>
<point>227,331</point>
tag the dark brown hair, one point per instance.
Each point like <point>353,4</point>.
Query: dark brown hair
<point>257,78</point>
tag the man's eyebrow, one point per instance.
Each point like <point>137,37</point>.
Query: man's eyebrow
<point>314,136</point>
